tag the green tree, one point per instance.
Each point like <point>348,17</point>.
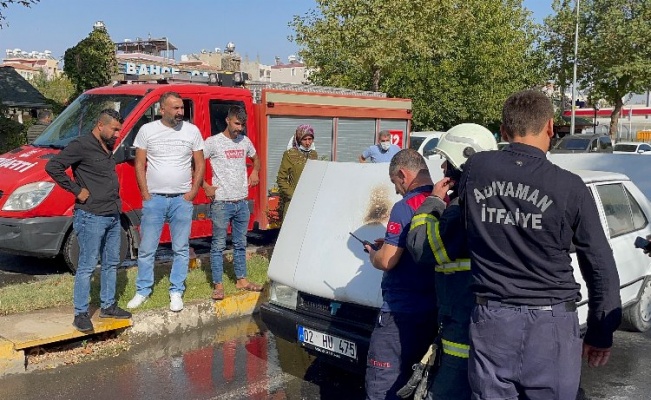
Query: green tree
<point>6,3</point>
<point>354,43</point>
<point>457,60</point>
<point>60,90</point>
<point>616,50</point>
<point>91,62</point>
<point>558,43</point>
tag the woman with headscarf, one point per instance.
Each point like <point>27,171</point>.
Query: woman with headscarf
<point>293,162</point>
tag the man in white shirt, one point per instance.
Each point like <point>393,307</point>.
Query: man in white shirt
<point>228,152</point>
<point>165,152</point>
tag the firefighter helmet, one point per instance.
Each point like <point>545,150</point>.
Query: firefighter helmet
<point>464,140</point>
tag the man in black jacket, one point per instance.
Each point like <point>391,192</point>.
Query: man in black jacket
<point>96,219</point>
<point>523,213</point>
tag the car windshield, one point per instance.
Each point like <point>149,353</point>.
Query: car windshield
<point>573,144</point>
<point>631,148</point>
<point>79,118</point>
<point>415,142</point>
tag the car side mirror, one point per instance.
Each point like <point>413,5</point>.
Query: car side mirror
<point>640,151</point>
<point>428,153</point>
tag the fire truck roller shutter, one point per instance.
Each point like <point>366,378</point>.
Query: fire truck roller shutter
<point>353,137</point>
<point>280,129</point>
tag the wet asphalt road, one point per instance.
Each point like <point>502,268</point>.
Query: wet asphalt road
<point>240,360</point>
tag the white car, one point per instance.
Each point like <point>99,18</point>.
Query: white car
<point>326,297</point>
<point>424,142</point>
<point>632,148</point>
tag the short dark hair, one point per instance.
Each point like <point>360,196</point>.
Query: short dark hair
<point>409,159</point>
<point>107,114</point>
<point>237,112</point>
<point>42,114</point>
<point>526,113</point>
<point>166,95</point>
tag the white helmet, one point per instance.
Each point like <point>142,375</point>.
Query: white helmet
<point>464,140</point>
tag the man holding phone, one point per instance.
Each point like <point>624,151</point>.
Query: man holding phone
<point>406,324</point>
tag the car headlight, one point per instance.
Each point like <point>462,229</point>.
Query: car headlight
<point>28,196</point>
<point>283,295</point>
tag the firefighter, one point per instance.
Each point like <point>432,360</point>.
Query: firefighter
<point>522,215</point>
<point>437,238</point>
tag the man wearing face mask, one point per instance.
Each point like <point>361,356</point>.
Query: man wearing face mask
<point>383,151</point>
<point>406,323</point>
<point>96,220</point>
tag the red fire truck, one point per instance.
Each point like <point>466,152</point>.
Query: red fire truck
<point>36,214</point>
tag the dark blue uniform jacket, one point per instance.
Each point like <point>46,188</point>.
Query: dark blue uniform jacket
<point>523,213</point>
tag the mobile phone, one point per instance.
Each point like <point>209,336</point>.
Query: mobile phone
<point>364,242</point>
<point>642,243</point>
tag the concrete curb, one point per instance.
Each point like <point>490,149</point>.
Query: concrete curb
<point>19,332</point>
<point>143,326</point>
<point>151,324</point>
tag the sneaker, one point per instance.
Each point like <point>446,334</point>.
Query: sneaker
<point>176,301</point>
<point>82,322</point>
<point>114,312</point>
<point>137,301</point>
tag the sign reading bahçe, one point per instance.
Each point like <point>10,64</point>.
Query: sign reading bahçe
<point>151,69</point>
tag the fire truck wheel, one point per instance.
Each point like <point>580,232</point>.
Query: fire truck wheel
<point>70,251</point>
<point>637,317</point>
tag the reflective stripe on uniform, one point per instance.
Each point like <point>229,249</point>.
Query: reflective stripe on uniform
<point>460,265</point>
<point>433,236</point>
<point>455,349</point>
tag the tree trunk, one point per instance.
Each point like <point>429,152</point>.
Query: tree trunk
<point>376,79</point>
<point>614,118</point>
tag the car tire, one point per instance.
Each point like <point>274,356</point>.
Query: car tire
<point>70,250</point>
<point>637,317</point>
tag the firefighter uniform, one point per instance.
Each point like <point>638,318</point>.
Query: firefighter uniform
<point>406,324</point>
<point>522,214</point>
<point>437,238</point>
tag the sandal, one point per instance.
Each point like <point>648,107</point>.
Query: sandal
<point>218,293</point>
<point>251,287</point>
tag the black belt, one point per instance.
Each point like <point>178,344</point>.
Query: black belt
<point>567,305</point>
<point>168,194</point>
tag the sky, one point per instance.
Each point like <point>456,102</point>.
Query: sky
<point>259,28</point>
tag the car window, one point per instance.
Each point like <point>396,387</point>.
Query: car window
<point>415,142</point>
<point>218,112</point>
<point>625,147</point>
<point>623,214</point>
<point>645,147</point>
<point>639,219</point>
<point>605,143</point>
<point>428,150</point>
<point>573,144</point>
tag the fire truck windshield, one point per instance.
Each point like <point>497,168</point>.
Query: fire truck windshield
<point>79,118</point>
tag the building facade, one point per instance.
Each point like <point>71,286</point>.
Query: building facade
<point>30,64</point>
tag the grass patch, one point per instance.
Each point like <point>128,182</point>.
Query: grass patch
<point>57,290</point>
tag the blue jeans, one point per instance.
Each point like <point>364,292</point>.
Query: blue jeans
<point>98,235</point>
<point>155,211</point>
<point>238,214</point>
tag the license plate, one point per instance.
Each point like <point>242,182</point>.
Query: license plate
<point>326,343</point>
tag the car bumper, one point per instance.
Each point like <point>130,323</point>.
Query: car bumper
<point>283,323</point>
<point>40,236</point>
